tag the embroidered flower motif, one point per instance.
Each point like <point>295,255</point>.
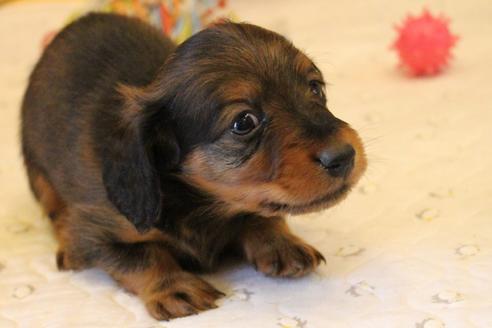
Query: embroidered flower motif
<point>467,250</point>
<point>286,322</point>
<point>428,214</point>
<point>362,288</point>
<point>350,250</point>
<point>430,323</point>
<point>447,297</point>
<point>241,294</point>
<point>23,291</point>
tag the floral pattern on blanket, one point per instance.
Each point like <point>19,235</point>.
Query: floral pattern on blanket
<point>410,247</point>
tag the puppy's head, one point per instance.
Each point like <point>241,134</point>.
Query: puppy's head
<point>248,111</point>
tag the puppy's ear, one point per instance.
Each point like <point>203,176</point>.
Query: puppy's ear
<point>130,174</point>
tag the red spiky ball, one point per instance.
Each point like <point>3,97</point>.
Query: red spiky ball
<point>424,44</point>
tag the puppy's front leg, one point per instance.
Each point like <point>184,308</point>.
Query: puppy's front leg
<point>270,246</point>
<point>150,271</point>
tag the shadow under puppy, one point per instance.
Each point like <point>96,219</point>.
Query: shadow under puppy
<point>153,161</point>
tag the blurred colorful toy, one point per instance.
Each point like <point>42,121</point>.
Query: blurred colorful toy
<point>424,44</point>
<point>179,19</point>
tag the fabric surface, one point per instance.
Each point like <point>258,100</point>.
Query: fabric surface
<point>410,247</point>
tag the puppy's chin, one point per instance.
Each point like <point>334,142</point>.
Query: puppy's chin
<point>317,204</point>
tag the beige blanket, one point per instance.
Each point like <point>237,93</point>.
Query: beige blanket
<point>412,245</point>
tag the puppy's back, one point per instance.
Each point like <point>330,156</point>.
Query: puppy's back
<point>74,84</point>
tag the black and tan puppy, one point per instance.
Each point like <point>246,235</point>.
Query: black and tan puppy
<point>155,161</point>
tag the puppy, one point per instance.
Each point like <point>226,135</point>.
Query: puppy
<point>155,161</point>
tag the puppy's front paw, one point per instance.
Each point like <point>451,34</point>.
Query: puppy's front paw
<point>181,295</point>
<point>286,257</point>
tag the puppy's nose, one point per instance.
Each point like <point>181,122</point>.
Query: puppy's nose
<point>337,161</point>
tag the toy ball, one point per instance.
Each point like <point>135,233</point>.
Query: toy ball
<point>424,44</point>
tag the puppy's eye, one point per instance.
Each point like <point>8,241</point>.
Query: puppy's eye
<point>316,88</point>
<point>245,123</point>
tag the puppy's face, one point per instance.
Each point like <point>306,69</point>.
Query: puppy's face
<point>250,113</point>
